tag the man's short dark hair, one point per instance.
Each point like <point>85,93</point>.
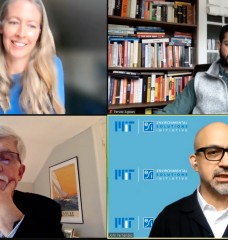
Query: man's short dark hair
<point>223,30</point>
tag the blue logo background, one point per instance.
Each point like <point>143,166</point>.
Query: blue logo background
<point>141,151</point>
<point>148,174</point>
<point>148,222</point>
<point>148,126</point>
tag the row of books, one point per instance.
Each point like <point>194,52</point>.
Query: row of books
<point>178,12</point>
<point>137,32</point>
<point>150,53</point>
<point>144,32</point>
<point>156,87</point>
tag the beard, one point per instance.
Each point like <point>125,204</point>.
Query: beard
<point>223,59</point>
<point>220,187</point>
<point>3,181</point>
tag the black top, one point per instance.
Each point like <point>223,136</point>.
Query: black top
<point>42,216</point>
<point>183,218</point>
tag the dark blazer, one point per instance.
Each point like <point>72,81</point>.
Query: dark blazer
<point>183,218</point>
<point>42,216</point>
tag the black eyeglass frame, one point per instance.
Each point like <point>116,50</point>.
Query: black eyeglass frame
<point>205,148</point>
<point>18,156</point>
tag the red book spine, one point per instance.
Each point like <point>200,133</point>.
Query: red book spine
<point>124,8</point>
<point>109,53</point>
<point>132,91</point>
<point>125,54</point>
<point>177,56</point>
<point>146,11</point>
<point>181,87</point>
<point>170,56</point>
<point>185,80</point>
<point>125,91</point>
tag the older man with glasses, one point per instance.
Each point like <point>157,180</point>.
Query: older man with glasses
<point>205,212</point>
<point>22,214</point>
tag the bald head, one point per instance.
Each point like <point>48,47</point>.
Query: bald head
<point>212,134</point>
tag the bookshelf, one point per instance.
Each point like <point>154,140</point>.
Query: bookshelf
<point>170,28</point>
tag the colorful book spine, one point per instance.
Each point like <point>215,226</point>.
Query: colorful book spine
<point>125,91</point>
<point>142,9</point>
<point>114,92</point>
<point>161,89</point>
<point>153,80</point>
<point>111,91</point>
<point>121,91</point>
<point>128,54</point>
<point>146,11</point>
<point>132,91</point>
<point>125,53</point>
<point>124,8</point>
<point>143,54</point>
<point>128,90</point>
<point>157,83</point>
<point>148,89</point>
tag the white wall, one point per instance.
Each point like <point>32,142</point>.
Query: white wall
<point>25,187</point>
<point>202,32</point>
<point>82,146</point>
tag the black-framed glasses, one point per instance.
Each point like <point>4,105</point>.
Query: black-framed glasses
<point>213,153</point>
<point>9,158</point>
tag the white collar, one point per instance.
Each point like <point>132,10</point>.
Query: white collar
<point>203,203</point>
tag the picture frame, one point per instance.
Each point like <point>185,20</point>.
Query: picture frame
<point>65,190</point>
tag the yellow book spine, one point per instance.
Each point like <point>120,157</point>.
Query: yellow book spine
<point>161,88</point>
<point>172,88</point>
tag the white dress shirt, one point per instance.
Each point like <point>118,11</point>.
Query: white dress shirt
<point>217,220</point>
<point>13,231</point>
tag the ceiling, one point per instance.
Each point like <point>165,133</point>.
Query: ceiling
<point>43,133</point>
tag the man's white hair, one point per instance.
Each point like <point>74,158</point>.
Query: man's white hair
<point>7,132</point>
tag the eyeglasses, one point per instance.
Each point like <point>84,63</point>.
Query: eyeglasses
<point>9,158</point>
<point>213,153</point>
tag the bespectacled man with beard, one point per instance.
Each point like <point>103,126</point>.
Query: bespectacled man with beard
<point>207,92</point>
<point>22,215</point>
<point>205,212</point>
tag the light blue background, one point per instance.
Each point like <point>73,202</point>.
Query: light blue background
<point>149,150</point>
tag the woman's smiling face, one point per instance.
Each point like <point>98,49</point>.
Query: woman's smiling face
<point>21,29</point>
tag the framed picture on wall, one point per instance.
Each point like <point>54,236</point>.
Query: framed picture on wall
<point>65,190</point>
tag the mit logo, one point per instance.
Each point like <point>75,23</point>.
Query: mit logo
<point>124,126</point>
<point>123,222</point>
<point>123,174</point>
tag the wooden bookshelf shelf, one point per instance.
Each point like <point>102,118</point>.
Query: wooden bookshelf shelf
<point>150,69</point>
<point>137,105</point>
<point>168,26</point>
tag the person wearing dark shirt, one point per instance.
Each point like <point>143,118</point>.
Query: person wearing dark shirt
<point>205,212</point>
<point>207,92</point>
<point>23,215</point>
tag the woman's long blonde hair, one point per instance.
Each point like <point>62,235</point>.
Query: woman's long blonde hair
<point>39,79</point>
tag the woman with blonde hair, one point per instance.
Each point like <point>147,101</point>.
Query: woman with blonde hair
<point>31,76</point>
